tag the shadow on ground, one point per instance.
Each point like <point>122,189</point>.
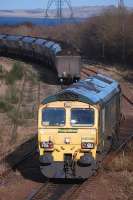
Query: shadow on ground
<point>28,165</point>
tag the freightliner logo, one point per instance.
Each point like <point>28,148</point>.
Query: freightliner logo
<point>67,130</point>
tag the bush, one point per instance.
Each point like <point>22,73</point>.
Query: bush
<point>15,74</point>
<point>108,37</point>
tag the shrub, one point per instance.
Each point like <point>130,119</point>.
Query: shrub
<point>15,74</point>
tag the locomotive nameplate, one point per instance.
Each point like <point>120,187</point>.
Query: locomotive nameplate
<point>67,130</point>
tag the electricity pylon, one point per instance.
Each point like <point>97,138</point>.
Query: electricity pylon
<point>59,4</point>
<point>121,3</point>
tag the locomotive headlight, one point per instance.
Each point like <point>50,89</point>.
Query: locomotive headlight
<point>87,145</point>
<point>47,145</point>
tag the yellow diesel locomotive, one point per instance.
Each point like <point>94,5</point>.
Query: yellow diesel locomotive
<point>77,125</point>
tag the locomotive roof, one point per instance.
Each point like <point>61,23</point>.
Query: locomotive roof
<point>97,89</point>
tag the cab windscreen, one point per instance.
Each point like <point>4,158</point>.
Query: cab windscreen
<point>53,117</point>
<point>82,116</point>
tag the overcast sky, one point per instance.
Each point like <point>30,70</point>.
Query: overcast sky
<point>31,4</point>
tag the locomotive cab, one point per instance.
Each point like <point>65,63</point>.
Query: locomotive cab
<point>75,124</point>
<point>67,138</point>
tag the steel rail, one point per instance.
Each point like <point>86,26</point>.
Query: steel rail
<point>54,191</point>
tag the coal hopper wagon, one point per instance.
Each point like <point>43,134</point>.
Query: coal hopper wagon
<point>57,55</point>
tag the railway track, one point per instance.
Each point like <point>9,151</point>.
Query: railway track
<point>64,191</point>
<point>60,191</point>
<point>54,191</point>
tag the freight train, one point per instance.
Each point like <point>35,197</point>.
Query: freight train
<point>78,125</point>
<point>58,55</point>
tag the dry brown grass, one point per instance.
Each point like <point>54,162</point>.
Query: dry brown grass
<point>124,161</point>
<point>126,178</point>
